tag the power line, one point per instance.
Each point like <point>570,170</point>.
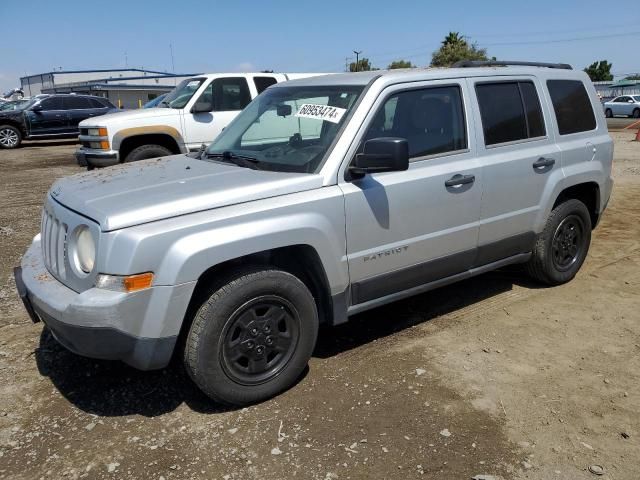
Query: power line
<point>562,40</point>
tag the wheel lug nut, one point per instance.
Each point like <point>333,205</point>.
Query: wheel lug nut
<point>269,340</point>
<point>254,331</point>
<point>249,344</point>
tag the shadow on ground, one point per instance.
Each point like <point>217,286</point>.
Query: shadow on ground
<point>114,389</point>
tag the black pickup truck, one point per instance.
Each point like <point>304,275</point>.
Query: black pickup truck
<point>51,116</point>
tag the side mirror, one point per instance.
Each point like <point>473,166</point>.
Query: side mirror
<point>630,101</point>
<point>36,108</point>
<point>202,106</point>
<point>384,154</point>
<point>283,110</point>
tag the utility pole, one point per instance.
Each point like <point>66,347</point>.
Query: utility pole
<point>346,64</point>
<point>173,67</point>
<point>357,58</point>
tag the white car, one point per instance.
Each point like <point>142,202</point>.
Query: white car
<point>192,114</point>
<point>627,105</point>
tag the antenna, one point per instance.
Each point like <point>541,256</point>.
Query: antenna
<point>173,67</point>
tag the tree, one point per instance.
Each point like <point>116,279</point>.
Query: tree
<point>455,48</point>
<point>633,77</point>
<point>599,71</point>
<point>364,65</point>
<point>400,64</point>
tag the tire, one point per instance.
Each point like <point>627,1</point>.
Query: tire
<point>10,137</point>
<point>636,113</point>
<point>233,333</point>
<point>562,247</point>
<point>147,151</point>
<point>608,113</point>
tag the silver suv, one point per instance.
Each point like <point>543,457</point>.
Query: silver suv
<point>325,197</point>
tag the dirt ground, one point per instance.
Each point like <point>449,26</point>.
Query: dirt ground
<point>493,376</point>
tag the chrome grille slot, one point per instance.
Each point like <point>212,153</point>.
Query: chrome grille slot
<point>54,243</point>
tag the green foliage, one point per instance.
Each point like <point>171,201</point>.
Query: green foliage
<point>599,71</point>
<point>455,48</point>
<point>364,65</point>
<point>400,64</point>
<point>633,77</point>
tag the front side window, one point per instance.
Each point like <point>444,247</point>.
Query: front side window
<point>572,106</point>
<point>430,119</point>
<point>286,129</point>
<point>180,96</point>
<point>510,111</point>
<point>54,103</point>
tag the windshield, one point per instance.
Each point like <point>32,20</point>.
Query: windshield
<point>154,102</point>
<point>180,96</point>
<point>15,105</point>
<point>287,129</point>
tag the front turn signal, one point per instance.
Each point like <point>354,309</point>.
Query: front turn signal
<point>125,283</point>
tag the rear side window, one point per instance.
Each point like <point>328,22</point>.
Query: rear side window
<point>431,119</point>
<point>76,103</point>
<point>262,83</point>
<point>510,111</point>
<point>572,106</point>
<point>96,103</point>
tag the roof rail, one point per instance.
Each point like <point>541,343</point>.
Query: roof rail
<point>506,63</point>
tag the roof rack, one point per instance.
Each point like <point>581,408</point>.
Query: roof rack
<point>505,63</point>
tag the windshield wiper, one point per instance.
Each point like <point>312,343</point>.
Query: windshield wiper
<point>240,160</point>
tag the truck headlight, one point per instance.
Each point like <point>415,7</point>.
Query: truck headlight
<point>97,132</point>
<point>83,249</point>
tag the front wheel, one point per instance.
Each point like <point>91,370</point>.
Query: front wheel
<point>10,136</point>
<point>253,337</point>
<point>147,151</point>
<point>562,246</point>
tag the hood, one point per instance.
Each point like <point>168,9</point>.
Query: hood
<point>155,189</point>
<point>126,115</point>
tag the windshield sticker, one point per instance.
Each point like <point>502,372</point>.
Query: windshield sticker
<point>321,112</point>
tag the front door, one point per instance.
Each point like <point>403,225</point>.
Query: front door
<point>229,95</point>
<point>52,119</point>
<point>407,229</point>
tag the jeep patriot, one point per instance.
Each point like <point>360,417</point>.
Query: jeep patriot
<point>327,196</point>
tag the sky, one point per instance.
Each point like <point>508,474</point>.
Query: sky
<point>298,36</point>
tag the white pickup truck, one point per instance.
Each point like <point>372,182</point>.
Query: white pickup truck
<point>192,114</point>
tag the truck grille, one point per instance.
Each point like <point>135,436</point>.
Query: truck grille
<point>54,244</point>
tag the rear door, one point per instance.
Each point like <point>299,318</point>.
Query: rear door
<point>230,95</point>
<point>406,229</point>
<point>519,161</point>
<point>52,119</point>
<point>78,109</point>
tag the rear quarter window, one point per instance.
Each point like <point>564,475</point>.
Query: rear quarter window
<point>572,106</point>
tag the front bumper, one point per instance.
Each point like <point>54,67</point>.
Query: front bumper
<point>139,328</point>
<point>96,158</point>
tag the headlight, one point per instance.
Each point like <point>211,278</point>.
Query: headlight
<point>122,283</point>
<point>97,132</point>
<point>83,250</point>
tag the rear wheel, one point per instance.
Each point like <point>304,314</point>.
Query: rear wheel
<point>10,136</point>
<point>636,113</point>
<point>147,151</point>
<point>608,113</point>
<point>253,336</point>
<point>562,246</point>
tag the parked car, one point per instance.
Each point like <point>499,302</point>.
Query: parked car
<point>155,102</point>
<point>192,114</point>
<point>326,197</point>
<point>52,116</point>
<point>627,105</point>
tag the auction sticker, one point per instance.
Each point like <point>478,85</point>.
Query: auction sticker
<point>321,112</point>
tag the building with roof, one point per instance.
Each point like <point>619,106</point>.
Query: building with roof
<point>610,89</point>
<point>126,87</point>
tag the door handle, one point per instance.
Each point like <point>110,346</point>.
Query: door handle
<point>459,180</point>
<point>543,162</point>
